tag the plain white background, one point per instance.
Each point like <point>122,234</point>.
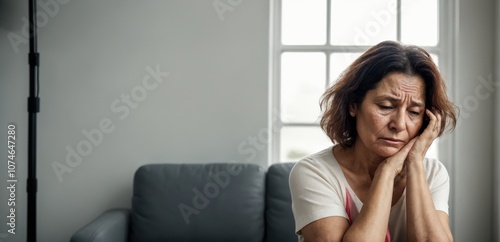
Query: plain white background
<point>210,107</point>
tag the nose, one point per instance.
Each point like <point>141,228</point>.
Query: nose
<point>398,122</point>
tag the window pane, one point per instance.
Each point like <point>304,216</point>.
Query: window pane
<point>419,22</point>
<point>362,22</point>
<point>303,22</point>
<point>303,77</point>
<point>298,142</point>
<point>339,62</point>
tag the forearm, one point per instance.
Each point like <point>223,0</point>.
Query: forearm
<point>372,221</point>
<point>423,223</point>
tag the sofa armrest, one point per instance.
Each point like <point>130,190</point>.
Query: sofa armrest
<point>112,225</point>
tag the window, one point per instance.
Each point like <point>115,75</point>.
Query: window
<point>313,41</point>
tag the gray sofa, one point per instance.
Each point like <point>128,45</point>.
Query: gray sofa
<point>230,202</point>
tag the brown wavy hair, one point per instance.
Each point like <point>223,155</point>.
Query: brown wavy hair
<point>366,72</point>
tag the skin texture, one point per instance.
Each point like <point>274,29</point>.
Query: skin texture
<point>385,159</point>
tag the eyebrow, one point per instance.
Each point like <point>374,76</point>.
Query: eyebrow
<point>393,99</point>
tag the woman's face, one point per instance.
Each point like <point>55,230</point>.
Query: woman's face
<point>391,114</point>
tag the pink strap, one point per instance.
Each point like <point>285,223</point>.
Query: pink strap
<point>350,207</point>
<point>388,236</point>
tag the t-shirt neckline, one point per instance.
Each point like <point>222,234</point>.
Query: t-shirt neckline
<point>354,196</point>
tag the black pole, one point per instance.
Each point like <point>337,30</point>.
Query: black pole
<point>33,109</point>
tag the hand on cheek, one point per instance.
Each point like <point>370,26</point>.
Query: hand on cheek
<point>396,162</point>
<point>424,140</point>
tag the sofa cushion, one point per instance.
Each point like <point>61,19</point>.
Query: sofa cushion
<point>280,224</point>
<point>198,202</point>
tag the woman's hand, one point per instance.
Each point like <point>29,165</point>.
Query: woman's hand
<point>395,163</point>
<point>416,148</point>
<point>423,220</point>
<point>424,140</point>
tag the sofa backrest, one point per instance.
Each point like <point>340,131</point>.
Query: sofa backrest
<point>198,202</point>
<point>280,225</point>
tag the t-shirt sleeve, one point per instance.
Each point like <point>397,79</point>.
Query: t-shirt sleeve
<point>439,184</point>
<point>315,193</point>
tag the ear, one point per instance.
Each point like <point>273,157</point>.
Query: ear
<point>353,108</point>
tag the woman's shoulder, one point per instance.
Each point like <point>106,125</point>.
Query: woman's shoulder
<point>319,171</point>
<point>322,155</point>
<point>321,163</point>
<point>319,158</point>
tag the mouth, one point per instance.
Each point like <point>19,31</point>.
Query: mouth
<point>393,141</point>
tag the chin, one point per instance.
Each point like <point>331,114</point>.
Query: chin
<point>387,151</point>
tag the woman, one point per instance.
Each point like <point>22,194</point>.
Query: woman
<point>375,184</point>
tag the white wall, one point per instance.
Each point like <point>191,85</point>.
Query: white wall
<point>92,52</point>
<point>214,99</point>
<point>473,173</point>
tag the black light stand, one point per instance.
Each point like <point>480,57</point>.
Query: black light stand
<point>33,109</point>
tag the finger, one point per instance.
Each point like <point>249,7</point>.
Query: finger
<point>438,121</point>
<point>403,152</point>
<point>397,160</point>
<point>431,115</point>
<point>429,135</point>
<point>434,124</point>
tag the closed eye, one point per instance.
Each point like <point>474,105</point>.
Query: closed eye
<point>385,107</point>
<point>414,113</point>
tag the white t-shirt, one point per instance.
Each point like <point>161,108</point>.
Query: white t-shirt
<point>319,189</point>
